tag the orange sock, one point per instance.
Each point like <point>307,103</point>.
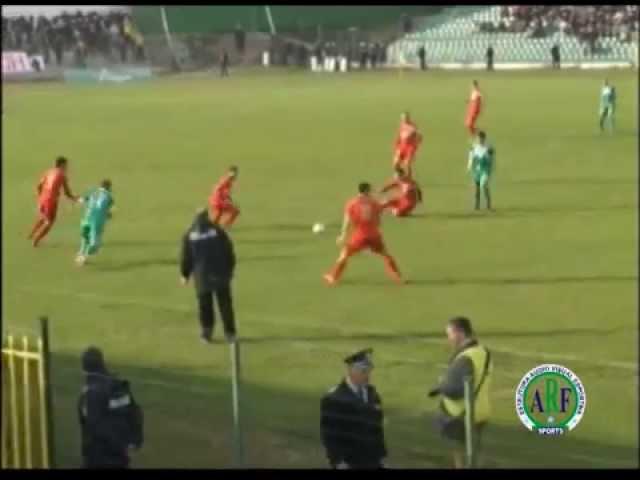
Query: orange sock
<point>232,218</point>
<point>36,227</point>
<point>392,268</point>
<point>216,214</point>
<point>42,233</point>
<point>336,271</point>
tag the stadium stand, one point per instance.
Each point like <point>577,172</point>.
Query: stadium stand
<point>524,34</point>
<point>75,38</point>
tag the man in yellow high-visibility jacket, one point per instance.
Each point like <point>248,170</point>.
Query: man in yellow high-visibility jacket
<point>469,359</point>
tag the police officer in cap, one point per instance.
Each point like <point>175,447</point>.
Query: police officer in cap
<point>351,420</point>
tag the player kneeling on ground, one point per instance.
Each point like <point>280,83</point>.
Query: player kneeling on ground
<point>97,212</point>
<point>408,197</point>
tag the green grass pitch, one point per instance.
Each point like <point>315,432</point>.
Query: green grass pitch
<point>549,277</point>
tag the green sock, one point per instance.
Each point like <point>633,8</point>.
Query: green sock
<point>487,196</point>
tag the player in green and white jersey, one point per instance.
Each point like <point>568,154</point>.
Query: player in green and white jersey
<point>481,164</point>
<point>607,105</point>
<point>98,203</point>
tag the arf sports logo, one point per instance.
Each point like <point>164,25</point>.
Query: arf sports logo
<point>550,400</point>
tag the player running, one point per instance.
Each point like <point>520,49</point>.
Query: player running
<point>362,214</point>
<point>481,164</point>
<point>220,201</point>
<point>51,184</point>
<point>607,106</point>
<point>98,204</point>
<point>474,108</point>
<point>408,196</point>
<point>406,144</point>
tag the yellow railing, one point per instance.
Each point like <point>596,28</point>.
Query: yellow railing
<point>27,423</point>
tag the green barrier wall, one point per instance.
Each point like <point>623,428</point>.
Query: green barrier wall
<point>218,19</point>
<point>115,75</point>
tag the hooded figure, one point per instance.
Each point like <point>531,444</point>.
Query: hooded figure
<point>103,410</point>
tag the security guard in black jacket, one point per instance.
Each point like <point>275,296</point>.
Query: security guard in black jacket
<point>351,420</point>
<point>208,256</point>
<point>106,433</point>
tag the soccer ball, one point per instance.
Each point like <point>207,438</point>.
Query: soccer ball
<point>317,228</point>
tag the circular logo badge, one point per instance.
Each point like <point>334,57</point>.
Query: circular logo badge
<point>550,400</point>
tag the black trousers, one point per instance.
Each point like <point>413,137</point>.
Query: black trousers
<point>99,463</point>
<point>225,304</point>
<point>373,465</point>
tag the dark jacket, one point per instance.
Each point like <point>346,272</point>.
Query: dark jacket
<point>105,437</point>
<point>490,54</point>
<point>207,254</point>
<point>351,430</point>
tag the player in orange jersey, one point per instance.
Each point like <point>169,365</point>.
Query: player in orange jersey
<point>408,196</point>
<point>362,215</point>
<point>474,108</point>
<point>406,144</point>
<point>49,188</point>
<point>220,201</point>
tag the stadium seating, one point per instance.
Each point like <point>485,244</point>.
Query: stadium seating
<point>453,37</point>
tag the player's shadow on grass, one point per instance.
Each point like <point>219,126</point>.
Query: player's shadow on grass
<point>137,265</point>
<point>515,211</point>
<point>144,243</point>
<point>286,227</point>
<point>519,280</point>
<point>266,258</point>
<point>411,337</point>
<point>188,418</point>
<point>373,337</point>
<point>573,181</point>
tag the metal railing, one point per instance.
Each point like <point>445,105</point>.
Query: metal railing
<point>27,421</point>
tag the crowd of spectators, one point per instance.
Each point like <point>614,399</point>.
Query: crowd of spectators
<point>588,23</point>
<point>111,36</point>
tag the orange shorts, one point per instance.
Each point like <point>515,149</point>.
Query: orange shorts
<point>223,207</point>
<point>405,153</point>
<point>359,242</point>
<point>48,209</point>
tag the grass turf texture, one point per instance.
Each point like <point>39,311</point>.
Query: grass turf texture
<point>550,277</point>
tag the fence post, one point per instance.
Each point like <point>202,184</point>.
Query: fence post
<point>26,408</point>
<point>469,418</point>
<point>238,447</point>
<point>46,360</point>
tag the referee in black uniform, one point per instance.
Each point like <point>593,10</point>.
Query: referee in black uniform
<point>208,257</point>
<point>351,418</point>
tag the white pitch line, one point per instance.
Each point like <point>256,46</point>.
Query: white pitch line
<point>545,356</point>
